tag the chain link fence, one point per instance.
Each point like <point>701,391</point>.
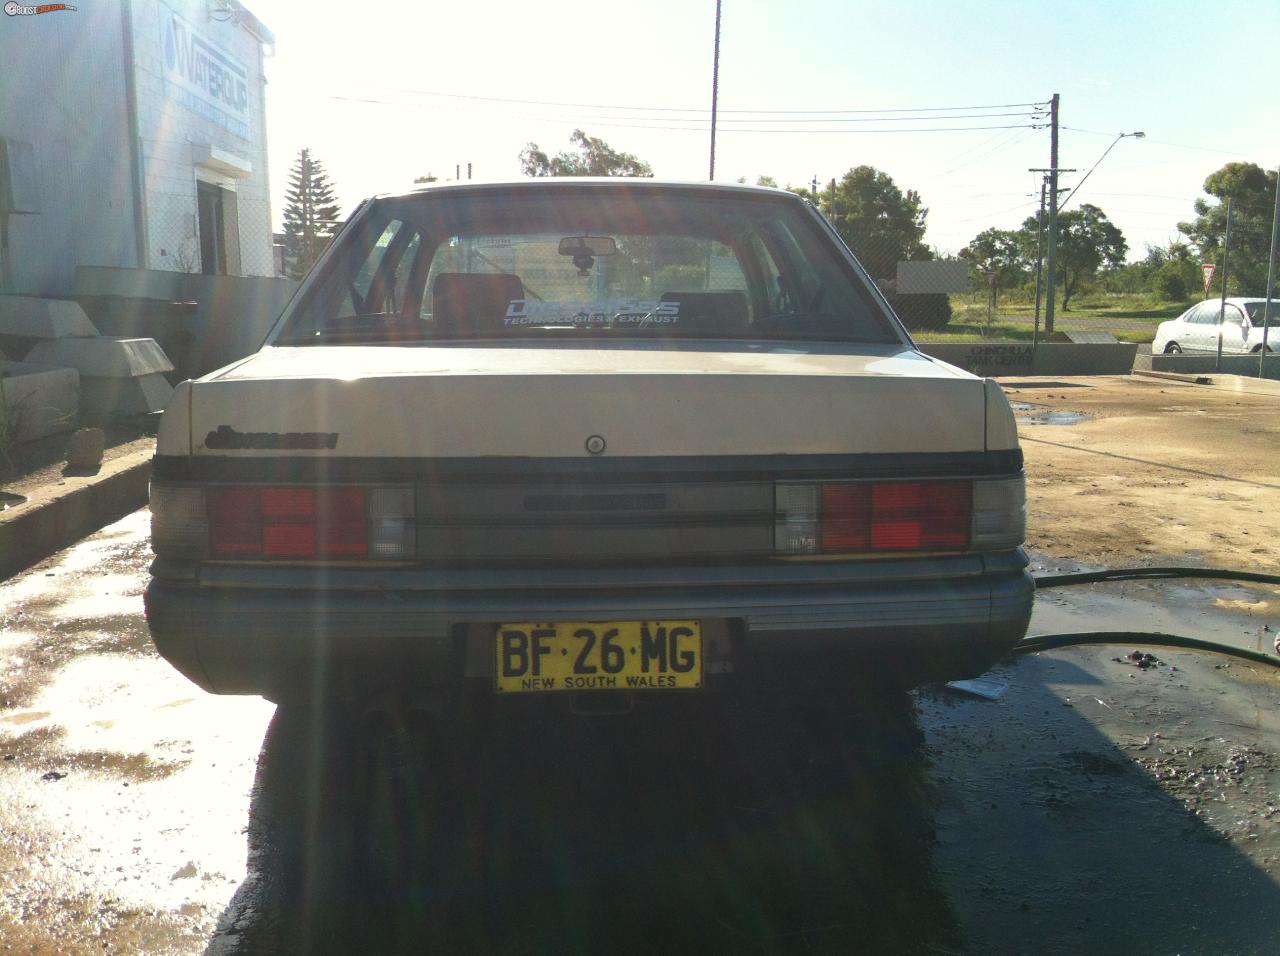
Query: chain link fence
<point>964,300</point>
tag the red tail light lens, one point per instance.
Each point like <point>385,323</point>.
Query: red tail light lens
<point>874,516</point>
<point>920,515</point>
<point>235,522</point>
<point>846,517</point>
<point>288,522</point>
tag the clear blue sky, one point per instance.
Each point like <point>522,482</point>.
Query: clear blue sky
<point>378,91</point>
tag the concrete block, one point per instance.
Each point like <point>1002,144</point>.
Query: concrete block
<point>85,448</point>
<point>133,283</point>
<point>57,515</point>
<point>37,401</point>
<point>103,357</point>
<point>1198,364</point>
<point>169,323</point>
<point>1084,338</point>
<point>1046,358</point>
<point>102,399</point>
<point>32,317</point>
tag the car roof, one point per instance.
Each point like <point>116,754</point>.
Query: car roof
<point>620,183</point>
<point>1240,300</point>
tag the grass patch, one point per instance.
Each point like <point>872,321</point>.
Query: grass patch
<point>1130,317</point>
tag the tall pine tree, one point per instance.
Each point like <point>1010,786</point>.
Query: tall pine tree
<point>310,215</point>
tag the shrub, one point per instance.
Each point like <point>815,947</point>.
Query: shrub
<point>1176,281</point>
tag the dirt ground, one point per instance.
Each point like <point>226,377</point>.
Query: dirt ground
<point>1098,805</point>
<point>1184,474</point>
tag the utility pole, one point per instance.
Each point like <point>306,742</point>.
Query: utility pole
<point>1053,213</point>
<point>1035,335</point>
<point>1222,305</point>
<point>814,186</point>
<point>1035,332</point>
<point>1269,292</point>
<point>715,93</point>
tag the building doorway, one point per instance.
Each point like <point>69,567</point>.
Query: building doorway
<point>219,229</point>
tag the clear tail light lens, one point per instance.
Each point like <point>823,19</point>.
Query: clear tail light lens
<point>999,514</point>
<point>795,529</point>
<point>392,525</point>
<point>179,525</point>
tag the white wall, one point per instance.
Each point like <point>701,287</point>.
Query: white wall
<point>169,128</point>
<point>62,89</point>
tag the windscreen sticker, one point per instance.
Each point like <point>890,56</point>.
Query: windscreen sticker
<point>637,312</point>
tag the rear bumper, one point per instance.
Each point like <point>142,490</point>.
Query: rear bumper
<point>258,630</point>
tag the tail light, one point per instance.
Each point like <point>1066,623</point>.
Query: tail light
<point>889,516</point>
<point>252,522</point>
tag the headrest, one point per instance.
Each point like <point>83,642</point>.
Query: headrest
<point>464,302</point>
<point>711,311</point>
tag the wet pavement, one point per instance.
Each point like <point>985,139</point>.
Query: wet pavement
<point>1097,806</point>
<point>1029,413</point>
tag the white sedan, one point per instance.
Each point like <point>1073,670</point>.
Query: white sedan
<point>1196,330</point>
<point>615,436</point>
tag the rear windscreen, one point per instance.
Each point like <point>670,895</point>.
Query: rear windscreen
<point>607,263</point>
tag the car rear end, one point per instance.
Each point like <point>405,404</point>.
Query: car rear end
<point>427,494</point>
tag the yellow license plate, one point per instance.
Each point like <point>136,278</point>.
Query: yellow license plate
<point>598,655</point>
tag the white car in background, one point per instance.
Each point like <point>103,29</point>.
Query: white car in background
<point>1196,330</point>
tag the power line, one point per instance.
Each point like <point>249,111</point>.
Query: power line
<point>859,119</point>
<point>659,123</point>
<point>1007,141</point>
<point>1160,142</point>
<point>680,109</point>
<point>701,121</point>
<point>930,129</point>
<point>1000,212</point>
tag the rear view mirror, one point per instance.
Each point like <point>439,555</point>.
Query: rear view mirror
<point>588,246</point>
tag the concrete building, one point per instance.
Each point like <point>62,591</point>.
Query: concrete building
<point>132,136</point>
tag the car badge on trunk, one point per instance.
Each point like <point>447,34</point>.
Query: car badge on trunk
<point>595,444</point>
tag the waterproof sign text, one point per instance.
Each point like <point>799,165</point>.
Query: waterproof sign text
<point>202,76</point>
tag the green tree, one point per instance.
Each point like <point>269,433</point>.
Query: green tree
<point>310,215</point>
<point>1087,240</point>
<point>1175,272</point>
<point>883,225</point>
<point>1252,191</point>
<point>878,221</point>
<point>998,251</point>
<point>594,157</point>
<point>428,178</point>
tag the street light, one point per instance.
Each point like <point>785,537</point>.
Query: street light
<point>1137,135</point>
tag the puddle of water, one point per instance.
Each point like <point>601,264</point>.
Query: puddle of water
<point>1168,607</point>
<point>1026,413</point>
<point>81,564</point>
<point>10,639</point>
<point>8,500</point>
<point>111,595</point>
<point>25,717</point>
<point>131,797</point>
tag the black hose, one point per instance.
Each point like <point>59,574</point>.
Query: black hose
<point>1048,642</point>
<point>1139,574</point>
